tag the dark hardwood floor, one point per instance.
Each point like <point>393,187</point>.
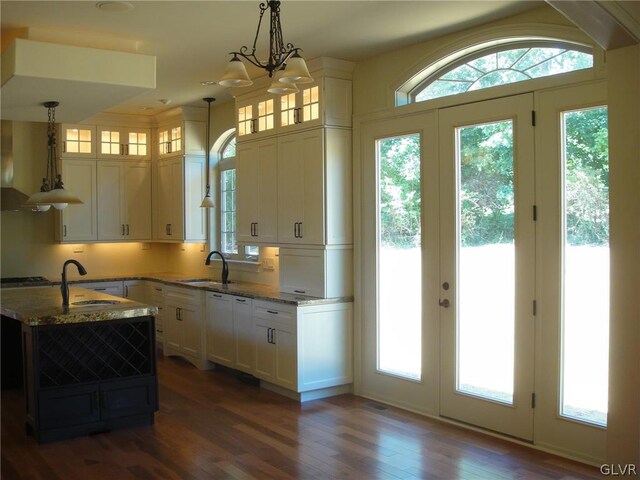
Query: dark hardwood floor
<point>212,426</point>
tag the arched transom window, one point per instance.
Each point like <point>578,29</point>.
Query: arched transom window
<point>502,65</point>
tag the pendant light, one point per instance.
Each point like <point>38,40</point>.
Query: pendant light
<point>207,201</point>
<point>52,192</point>
<point>282,56</point>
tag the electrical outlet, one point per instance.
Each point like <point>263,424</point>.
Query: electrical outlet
<point>78,249</point>
<point>145,246</point>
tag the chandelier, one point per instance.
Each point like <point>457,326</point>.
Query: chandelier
<point>284,65</point>
<point>52,192</point>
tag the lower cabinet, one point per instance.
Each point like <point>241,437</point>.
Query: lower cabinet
<point>184,326</point>
<point>230,331</point>
<point>135,290</point>
<point>155,297</point>
<point>305,351</point>
<point>89,377</point>
<point>111,288</point>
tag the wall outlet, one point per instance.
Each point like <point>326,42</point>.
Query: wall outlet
<point>145,246</point>
<point>78,249</point>
<point>268,265</point>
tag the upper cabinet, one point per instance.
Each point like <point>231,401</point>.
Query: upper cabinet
<point>77,141</point>
<point>324,102</point>
<point>181,131</point>
<point>124,143</point>
<point>79,223</point>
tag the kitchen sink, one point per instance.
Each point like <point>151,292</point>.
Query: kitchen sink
<point>89,303</point>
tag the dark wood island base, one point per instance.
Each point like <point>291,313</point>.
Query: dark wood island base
<point>88,372</point>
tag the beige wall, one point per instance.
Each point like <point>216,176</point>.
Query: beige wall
<point>623,66</point>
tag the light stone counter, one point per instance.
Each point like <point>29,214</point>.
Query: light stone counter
<point>43,306</point>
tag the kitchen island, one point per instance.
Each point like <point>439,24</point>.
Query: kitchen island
<point>89,367</point>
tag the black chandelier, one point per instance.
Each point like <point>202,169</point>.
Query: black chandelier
<point>284,63</point>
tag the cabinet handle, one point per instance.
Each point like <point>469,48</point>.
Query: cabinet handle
<point>160,331</point>
<point>159,308</point>
<point>127,229</point>
<point>270,332</point>
<point>216,295</point>
<point>299,229</point>
<point>100,289</point>
<point>241,300</point>
<point>177,314</point>
<point>168,147</point>
<point>296,115</point>
<point>126,291</point>
<point>64,229</point>
<point>253,124</point>
<point>271,311</point>
<point>126,149</point>
<point>255,230</point>
<point>123,229</point>
<point>121,149</point>
<point>300,291</point>
<point>170,229</point>
<point>157,289</point>
<point>64,146</point>
<point>295,229</point>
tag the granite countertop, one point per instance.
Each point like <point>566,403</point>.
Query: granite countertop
<point>41,306</point>
<point>255,291</point>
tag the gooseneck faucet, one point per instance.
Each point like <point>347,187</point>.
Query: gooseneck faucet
<point>225,267</point>
<point>64,287</point>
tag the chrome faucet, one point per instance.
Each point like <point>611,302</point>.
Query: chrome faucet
<point>225,267</point>
<point>64,287</point>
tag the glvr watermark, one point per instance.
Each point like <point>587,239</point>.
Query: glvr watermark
<point>619,469</point>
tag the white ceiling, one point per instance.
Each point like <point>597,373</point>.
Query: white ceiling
<point>191,39</point>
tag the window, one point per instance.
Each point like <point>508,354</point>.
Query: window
<point>228,240</point>
<point>493,66</point>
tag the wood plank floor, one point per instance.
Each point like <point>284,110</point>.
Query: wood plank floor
<point>211,426</point>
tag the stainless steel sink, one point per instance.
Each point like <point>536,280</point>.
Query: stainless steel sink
<point>89,303</point>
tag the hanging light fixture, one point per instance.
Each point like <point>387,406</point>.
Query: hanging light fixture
<point>207,201</point>
<point>52,192</point>
<point>283,57</point>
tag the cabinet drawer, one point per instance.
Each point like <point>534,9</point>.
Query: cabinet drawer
<point>111,288</point>
<point>276,312</point>
<point>185,296</point>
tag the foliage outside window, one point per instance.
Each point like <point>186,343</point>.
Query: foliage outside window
<point>228,220</point>
<point>485,70</point>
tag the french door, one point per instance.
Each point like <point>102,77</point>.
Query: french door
<point>484,265</point>
<point>487,274</point>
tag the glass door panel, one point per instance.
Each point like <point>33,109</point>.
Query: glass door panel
<point>399,257</point>
<point>487,264</point>
<point>585,306</point>
<point>486,260</point>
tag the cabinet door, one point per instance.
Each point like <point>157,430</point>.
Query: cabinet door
<point>192,323</point>
<point>80,222</point>
<point>301,188</point>
<point>124,398</point>
<point>170,140</point>
<point>135,290</point>
<point>67,406</point>
<point>170,199</point>
<point>176,224</point>
<point>111,223</point>
<point>265,351</point>
<point>195,223</point>
<point>77,141</point>
<point>136,187</point>
<point>257,203</point>
<point>286,369</point>
<point>219,326</point>
<point>243,331</point>
<point>173,330</point>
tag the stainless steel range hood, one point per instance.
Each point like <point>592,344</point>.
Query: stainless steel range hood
<point>12,198</point>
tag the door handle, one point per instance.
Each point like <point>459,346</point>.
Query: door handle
<point>444,303</point>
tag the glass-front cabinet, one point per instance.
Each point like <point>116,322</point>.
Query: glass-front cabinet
<point>77,141</point>
<point>256,116</point>
<point>118,142</point>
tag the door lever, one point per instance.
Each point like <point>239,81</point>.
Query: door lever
<point>444,303</point>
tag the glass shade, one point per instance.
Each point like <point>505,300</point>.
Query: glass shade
<point>207,202</point>
<point>235,75</point>
<point>38,199</point>
<point>279,87</point>
<point>296,71</point>
<point>60,198</point>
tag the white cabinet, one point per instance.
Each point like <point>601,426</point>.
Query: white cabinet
<point>304,351</point>
<point>123,142</point>
<point>110,288</point>
<point>257,203</point>
<point>124,200</point>
<point>256,116</point>
<point>135,290</point>
<point>155,297</point>
<point>77,141</point>
<point>79,223</point>
<point>182,136</point>
<point>230,331</point>
<point>180,186</point>
<point>321,272</point>
<point>314,187</point>
<point>184,325</point>
<point>275,339</point>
